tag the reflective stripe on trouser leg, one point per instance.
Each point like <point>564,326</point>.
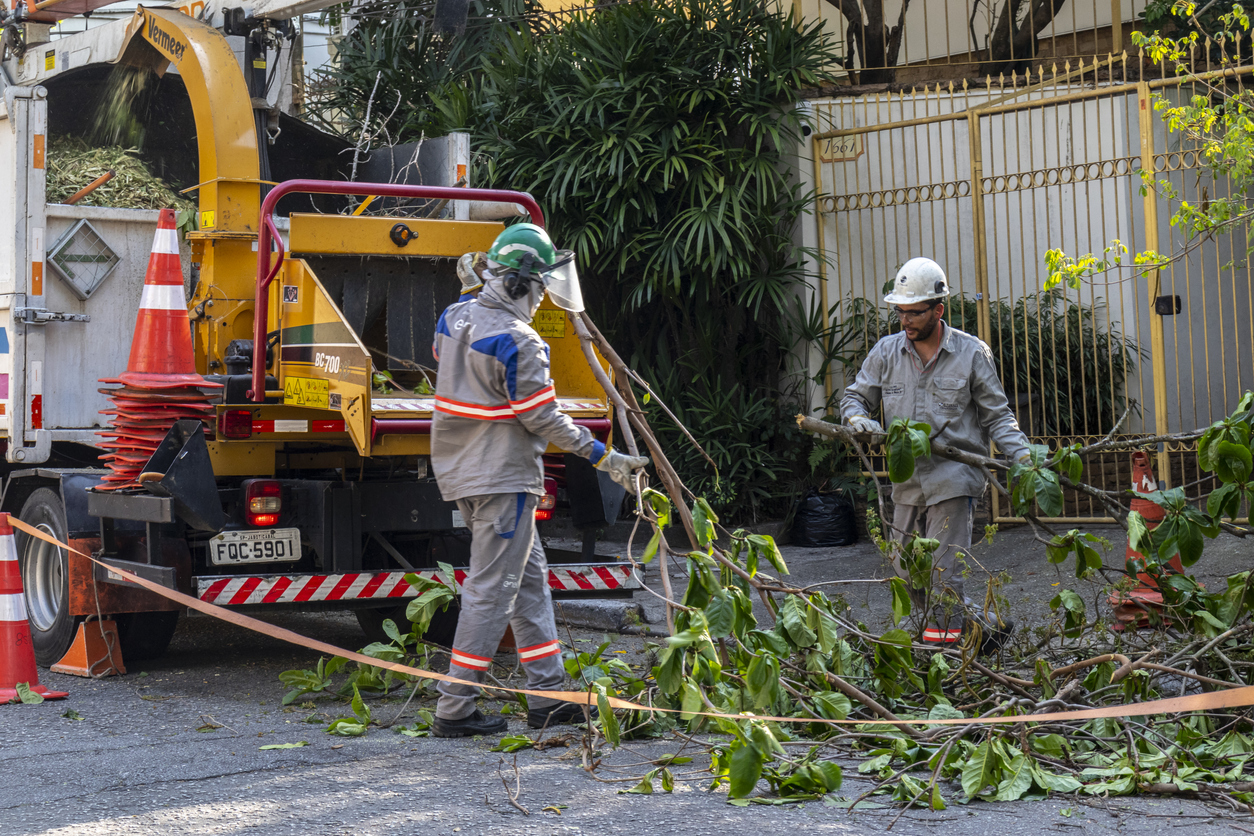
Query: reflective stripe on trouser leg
<point>503,531</point>
<point>949,523</point>
<point>535,630</point>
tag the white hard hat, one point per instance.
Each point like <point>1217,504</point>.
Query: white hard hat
<point>918,280</point>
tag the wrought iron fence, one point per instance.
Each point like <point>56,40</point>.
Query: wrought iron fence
<point>985,179</point>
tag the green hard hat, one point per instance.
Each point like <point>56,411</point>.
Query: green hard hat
<point>519,240</point>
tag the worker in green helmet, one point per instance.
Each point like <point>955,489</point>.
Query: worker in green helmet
<point>496,412</point>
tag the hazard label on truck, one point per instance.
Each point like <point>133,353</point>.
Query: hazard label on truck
<point>550,323</point>
<point>306,391</point>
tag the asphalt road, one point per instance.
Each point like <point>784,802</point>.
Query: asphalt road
<point>136,762</point>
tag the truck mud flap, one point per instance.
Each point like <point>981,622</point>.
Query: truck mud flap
<point>187,476</point>
<point>240,590</point>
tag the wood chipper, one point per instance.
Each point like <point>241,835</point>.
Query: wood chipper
<point>309,484</point>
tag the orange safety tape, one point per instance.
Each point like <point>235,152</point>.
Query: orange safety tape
<point>1232,698</point>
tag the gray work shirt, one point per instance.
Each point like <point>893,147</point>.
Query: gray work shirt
<point>957,393</point>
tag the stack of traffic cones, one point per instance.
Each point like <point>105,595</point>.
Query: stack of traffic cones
<point>17,654</point>
<point>160,385</point>
<point>1133,607</point>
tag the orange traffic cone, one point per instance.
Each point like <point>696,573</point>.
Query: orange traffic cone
<point>1133,607</point>
<point>160,385</point>
<point>17,654</point>
<point>161,353</point>
<point>96,651</point>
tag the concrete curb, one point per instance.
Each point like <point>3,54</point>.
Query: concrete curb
<point>613,615</point>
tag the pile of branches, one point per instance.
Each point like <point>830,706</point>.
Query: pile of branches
<point>779,683</point>
<point>72,164</point>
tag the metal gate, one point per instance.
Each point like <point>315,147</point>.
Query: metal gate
<point>985,181</point>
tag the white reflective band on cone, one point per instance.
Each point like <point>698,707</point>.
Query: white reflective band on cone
<point>12,607</point>
<point>163,297</point>
<point>166,242</point>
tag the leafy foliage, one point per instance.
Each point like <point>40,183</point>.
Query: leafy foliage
<point>654,134</point>
<point>392,61</point>
<point>1210,118</point>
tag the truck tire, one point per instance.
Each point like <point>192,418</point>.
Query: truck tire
<point>145,635</point>
<point>441,632</point>
<point>45,577</point>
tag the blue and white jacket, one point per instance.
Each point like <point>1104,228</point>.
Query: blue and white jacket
<point>496,409</point>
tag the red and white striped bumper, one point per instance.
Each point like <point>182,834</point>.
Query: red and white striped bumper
<point>237,590</point>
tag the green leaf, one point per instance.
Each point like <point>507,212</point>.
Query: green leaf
<point>944,711</point>
<point>360,709</point>
<point>692,702</point>
<point>980,770</point>
<point>824,630</point>
<point>71,714</point>
<point>1189,540</point>
<point>765,545</point>
<point>1224,501</point>
<point>1232,462</point>
<point>876,763</point>
<point>609,722</point>
<point>762,680</point>
<point>1139,533</point>
<point>900,454</point>
<point>792,614</point>
<point>1048,493</point>
<point>645,787</point>
<point>668,780</point>
<point>513,743</point>
<point>1016,779</point>
<point>720,613</point>
<point>650,551</point>
<point>285,745</point>
<point>745,770</point>
<point>833,705</point>
<point>1051,745</point>
<point>26,696</point>
<point>901,598</point>
<point>1054,783</point>
<point>346,727</point>
<point>703,520</point>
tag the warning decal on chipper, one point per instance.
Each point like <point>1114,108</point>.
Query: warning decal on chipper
<point>306,391</point>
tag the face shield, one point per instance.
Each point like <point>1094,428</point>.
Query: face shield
<point>561,282</point>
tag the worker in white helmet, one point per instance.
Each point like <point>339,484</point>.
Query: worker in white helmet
<point>931,372</point>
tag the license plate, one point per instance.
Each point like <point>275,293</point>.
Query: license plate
<point>269,546</point>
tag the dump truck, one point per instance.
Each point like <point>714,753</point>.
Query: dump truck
<point>311,325</point>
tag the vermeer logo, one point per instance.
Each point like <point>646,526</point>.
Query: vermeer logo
<point>164,40</point>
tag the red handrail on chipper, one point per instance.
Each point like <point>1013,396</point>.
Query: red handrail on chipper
<point>269,237</point>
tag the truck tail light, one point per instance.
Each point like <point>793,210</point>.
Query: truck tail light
<point>236,423</point>
<point>544,510</point>
<point>263,500</point>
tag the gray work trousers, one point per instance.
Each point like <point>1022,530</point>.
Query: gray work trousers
<point>508,584</point>
<point>948,522</point>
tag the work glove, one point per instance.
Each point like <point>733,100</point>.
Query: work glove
<point>863,424</point>
<point>620,467</point>
<point>470,270</point>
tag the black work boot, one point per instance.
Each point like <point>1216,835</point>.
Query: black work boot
<point>469,726</point>
<point>994,632</point>
<point>561,714</point>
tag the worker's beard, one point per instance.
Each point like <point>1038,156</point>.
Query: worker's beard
<point>924,332</point>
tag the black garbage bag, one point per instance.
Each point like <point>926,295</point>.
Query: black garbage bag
<point>824,520</point>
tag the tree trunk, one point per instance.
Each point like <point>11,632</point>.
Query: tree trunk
<point>1012,44</point>
<point>872,48</point>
